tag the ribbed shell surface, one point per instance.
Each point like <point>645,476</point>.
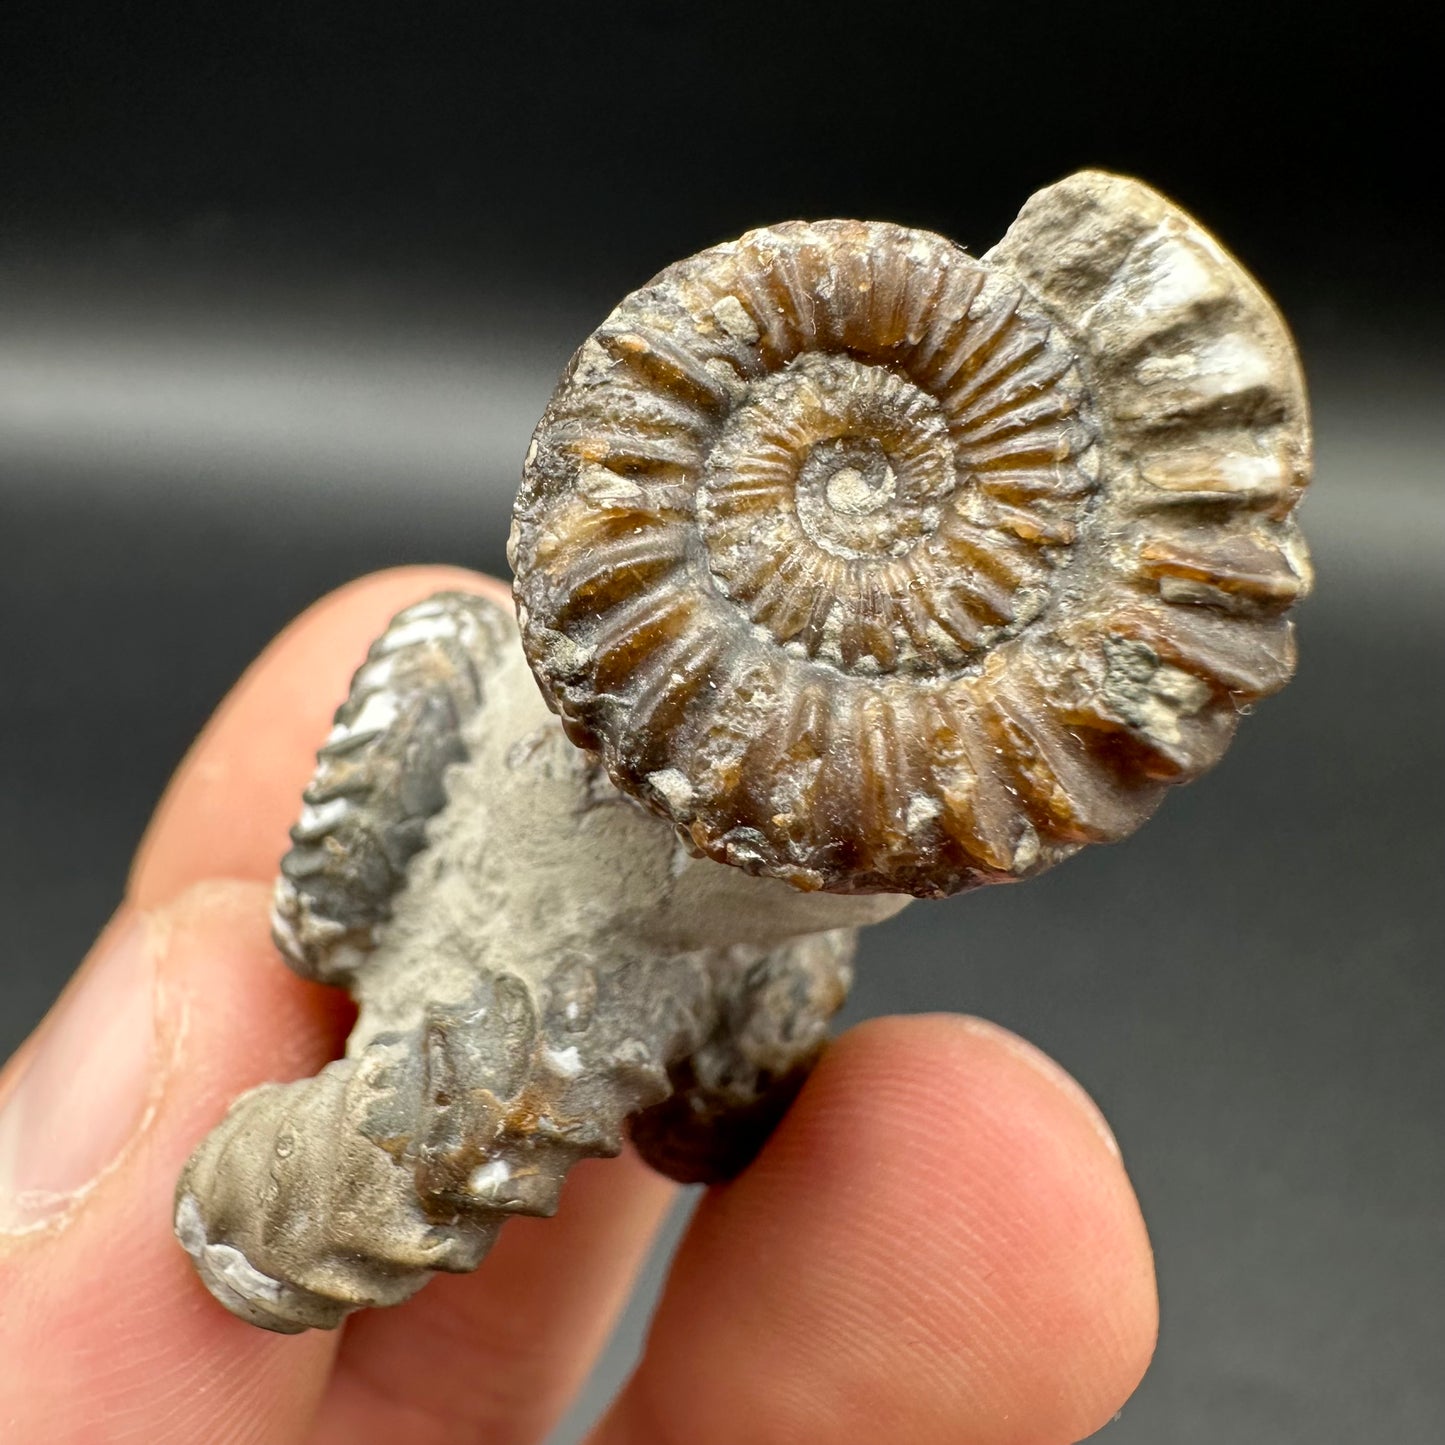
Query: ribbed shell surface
<point>876,566</point>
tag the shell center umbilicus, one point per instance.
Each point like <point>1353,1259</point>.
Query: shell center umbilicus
<point>834,495</point>
<point>856,493</point>
<point>858,453</point>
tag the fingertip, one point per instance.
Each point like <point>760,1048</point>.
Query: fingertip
<point>1016,1177</point>
<point>938,1234</point>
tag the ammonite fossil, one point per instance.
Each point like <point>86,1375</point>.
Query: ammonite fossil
<point>874,566</point>
<point>869,568</point>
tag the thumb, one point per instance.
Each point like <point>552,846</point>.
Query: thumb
<point>106,1335</point>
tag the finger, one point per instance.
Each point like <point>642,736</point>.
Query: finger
<point>177,1011</point>
<point>499,1355</point>
<point>105,1334</point>
<point>231,801</point>
<point>939,1244</point>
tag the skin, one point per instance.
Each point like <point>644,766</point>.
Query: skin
<point>939,1244</point>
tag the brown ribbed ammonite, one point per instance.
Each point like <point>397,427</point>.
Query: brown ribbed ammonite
<point>875,566</point>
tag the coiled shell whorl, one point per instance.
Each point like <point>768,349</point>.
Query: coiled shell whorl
<point>874,566</point>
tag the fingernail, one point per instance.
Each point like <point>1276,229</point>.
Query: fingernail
<point>85,1085</point>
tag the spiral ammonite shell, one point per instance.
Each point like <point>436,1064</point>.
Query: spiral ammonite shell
<point>875,566</point>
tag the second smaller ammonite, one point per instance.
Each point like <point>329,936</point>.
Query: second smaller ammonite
<point>875,566</point>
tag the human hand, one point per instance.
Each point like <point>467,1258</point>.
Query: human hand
<point>939,1244</point>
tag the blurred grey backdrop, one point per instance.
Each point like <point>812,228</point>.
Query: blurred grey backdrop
<point>283,295</point>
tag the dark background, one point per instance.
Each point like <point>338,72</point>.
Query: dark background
<point>284,288</point>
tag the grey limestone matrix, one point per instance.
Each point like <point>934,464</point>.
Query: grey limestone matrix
<point>849,569</point>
